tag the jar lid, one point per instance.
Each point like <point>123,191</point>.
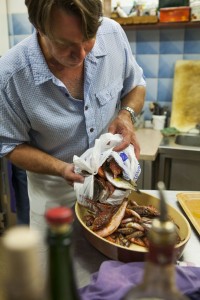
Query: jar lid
<point>59,215</point>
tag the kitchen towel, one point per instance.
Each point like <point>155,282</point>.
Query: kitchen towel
<point>114,279</point>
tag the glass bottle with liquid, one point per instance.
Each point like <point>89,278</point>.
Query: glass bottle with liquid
<point>159,272</point>
<point>62,281</point>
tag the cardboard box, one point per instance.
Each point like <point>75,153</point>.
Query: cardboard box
<point>175,14</point>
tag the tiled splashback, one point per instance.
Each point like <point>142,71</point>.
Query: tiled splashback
<point>155,50</point>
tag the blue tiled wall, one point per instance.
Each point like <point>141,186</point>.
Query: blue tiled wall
<point>19,27</point>
<point>155,50</point>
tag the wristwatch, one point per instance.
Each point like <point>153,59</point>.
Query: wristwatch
<point>132,113</point>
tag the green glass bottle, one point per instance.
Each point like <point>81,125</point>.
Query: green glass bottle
<point>62,281</point>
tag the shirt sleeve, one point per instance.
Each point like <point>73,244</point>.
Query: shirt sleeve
<point>14,126</point>
<point>134,75</point>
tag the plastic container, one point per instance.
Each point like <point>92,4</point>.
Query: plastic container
<point>175,14</point>
<point>195,11</point>
<point>158,122</point>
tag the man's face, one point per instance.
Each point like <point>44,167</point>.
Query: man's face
<point>67,47</point>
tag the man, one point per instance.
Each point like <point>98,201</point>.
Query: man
<point>60,89</point>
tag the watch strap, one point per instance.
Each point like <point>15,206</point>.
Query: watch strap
<point>132,113</point>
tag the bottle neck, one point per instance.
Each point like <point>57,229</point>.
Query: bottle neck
<point>160,265</point>
<point>160,254</point>
<point>62,282</point>
<point>165,273</point>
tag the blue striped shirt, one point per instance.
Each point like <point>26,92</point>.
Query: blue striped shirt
<point>36,107</point>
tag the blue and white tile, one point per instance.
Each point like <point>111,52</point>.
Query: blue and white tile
<point>191,56</point>
<point>192,41</point>
<point>171,41</point>
<point>147,42</point>
<point>131,35</point>
<point>165,89</point>
<point>15,39</point>
<point>167,64</point>
<point>21,24</point>
<point>151,89</point>
<point>149,64</point>
<point>19,38</point>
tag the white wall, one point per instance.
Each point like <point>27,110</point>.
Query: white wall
<point>16,6</point>
<point>4,42</point>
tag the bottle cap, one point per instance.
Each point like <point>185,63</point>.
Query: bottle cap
<point>59,215</point>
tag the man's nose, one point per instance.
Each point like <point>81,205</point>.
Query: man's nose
<point>81,51</point>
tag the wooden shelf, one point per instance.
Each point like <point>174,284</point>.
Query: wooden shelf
<point>159,25</point>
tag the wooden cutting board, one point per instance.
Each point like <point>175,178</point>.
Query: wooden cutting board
<point>190,203</point>
<point>186,95</point>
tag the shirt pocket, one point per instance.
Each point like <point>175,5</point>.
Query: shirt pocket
<point>111,92</point>
<point>109,102</point>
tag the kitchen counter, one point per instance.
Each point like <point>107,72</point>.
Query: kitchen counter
<point>88,260</point>
<point>149,140</point>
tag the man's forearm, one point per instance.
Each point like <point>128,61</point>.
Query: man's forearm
<point>32,159</point>
<point>135,99</point>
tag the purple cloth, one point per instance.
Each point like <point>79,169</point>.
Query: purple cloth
<point>114,279</point>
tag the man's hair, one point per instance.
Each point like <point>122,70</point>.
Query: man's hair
<point>89,11</point>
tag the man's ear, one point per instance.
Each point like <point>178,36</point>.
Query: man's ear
<point>40,32</point>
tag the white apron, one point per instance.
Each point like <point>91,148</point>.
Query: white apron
<point>46,191</point>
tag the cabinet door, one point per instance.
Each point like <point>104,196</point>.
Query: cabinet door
<point>180,173</point>
<point>185,175</point>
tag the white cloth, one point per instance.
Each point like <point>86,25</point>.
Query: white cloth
<point>45,192</point>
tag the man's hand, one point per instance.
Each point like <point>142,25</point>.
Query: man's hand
<point>34,160</point>
<point>123,125</point>
<point>70,176</point>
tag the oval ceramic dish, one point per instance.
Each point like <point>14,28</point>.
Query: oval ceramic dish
<point>134,252</point>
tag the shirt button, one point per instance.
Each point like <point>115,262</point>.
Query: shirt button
<point>91,129</point>
<point>86,107</point>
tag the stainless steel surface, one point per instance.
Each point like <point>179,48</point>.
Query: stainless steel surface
<point>179,165</point>
<point>188,139</point>
<point>168,145</point>
<point>88,260</point>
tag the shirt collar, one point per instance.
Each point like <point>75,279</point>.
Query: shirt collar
<point>39,66</point>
